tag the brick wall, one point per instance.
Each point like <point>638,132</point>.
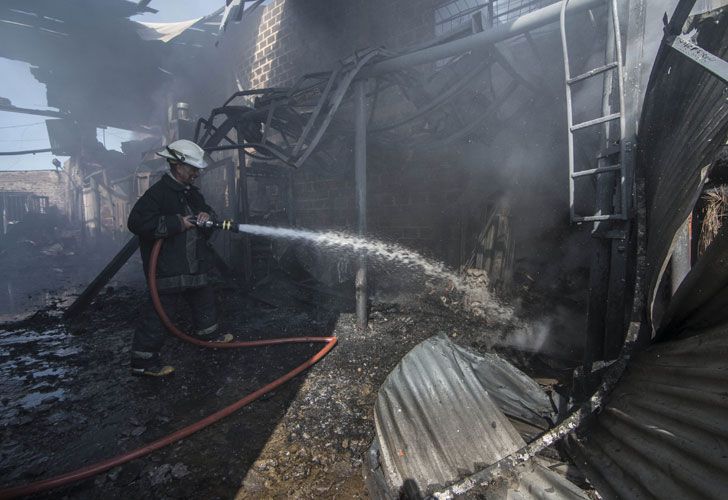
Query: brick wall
<point>268,47</point>
<point>404,194</point>
<point>48,183</point>
<point>288,38</point>
<point>407,196</point>
<point>413,201</point>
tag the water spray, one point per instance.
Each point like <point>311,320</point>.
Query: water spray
<point>378,250</point>
<point>327,239</point>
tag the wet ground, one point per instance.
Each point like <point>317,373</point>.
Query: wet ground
<point>69,400</point>
<point>40,274</point>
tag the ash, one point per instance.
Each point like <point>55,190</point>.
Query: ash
<point>68,397</point>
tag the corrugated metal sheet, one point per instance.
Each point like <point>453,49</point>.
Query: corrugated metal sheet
<point>437,419</point>
<point>515,393</point>
<point>664,433</point>
<point>683,127</point>
<point>701,302</point>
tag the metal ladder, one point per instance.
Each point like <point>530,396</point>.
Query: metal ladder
<point>614,46</point>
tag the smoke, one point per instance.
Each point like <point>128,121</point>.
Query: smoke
<point>524,163</point>
<point>558,335</point>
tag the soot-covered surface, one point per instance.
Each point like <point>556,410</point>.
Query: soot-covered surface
<point>68,399</point>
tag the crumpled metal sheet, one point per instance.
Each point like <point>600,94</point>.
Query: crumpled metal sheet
<point>664,433</point>
<point>701,302</point>
<point>437,419</point>
<point>516,394</point>
<point>681,133</point>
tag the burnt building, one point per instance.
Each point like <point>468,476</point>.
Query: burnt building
<point>510,213</point>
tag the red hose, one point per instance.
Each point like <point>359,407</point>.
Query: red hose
<point>99,467</point>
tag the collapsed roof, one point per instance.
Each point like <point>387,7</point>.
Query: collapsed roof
<point>99,65</point>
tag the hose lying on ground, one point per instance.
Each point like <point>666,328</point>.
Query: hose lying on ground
<point>99,467</point>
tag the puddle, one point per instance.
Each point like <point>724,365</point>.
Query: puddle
<point>62,353</point>
<point>33,368</point>
<point>50,372</point>
<point>35,399</point>
<point>19,300</point>
<point>17,337</point>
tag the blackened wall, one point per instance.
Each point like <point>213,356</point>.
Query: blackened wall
<point>288,38</point>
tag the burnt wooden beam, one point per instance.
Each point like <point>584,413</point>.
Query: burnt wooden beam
<point>88,295</point>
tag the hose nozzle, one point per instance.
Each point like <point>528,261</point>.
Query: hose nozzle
<point>226,225</point>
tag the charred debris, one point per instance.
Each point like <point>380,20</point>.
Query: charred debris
<point>564,161</point>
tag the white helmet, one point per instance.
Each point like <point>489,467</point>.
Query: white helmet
<point>186,152</point>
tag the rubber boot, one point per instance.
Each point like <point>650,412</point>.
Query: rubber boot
<point>147,364</point>
<point>210,334</point>
<point>223,338</point>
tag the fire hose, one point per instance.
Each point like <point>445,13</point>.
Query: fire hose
<point>99,467</point>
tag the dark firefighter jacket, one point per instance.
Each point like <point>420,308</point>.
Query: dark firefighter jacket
<point>186,258</point>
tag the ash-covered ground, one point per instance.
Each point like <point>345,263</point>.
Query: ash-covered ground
<point>69,400</point>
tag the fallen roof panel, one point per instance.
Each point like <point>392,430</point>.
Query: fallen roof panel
<point>437,419</point>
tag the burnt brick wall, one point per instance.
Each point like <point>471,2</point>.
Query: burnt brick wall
<point>410,200</point>
<point>288,38</point>
<point>268,57</point>
<point>407,197</point>
<point>325,199</point>
<point>50,183</point>
<point>392,24</point>
<point>403,193</point>
<point>277,43</point>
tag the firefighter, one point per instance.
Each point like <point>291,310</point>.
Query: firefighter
<point>168,210</point>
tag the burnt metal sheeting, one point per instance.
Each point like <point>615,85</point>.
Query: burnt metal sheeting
<point>95,65</point>
<point>192,33</point>
<point>683,127</point>
<point>664,433</point>
<point>701,302</point>
<point>436,420</point>
<point>515,393</point>
<point>88,55</point>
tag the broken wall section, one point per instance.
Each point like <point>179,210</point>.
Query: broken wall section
<point>49,184</point>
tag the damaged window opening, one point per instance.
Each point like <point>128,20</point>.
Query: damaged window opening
<point>343,249</point>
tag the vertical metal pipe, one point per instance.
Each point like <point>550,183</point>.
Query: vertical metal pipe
<point>360,180</point>
<point>232,209</point>
<point>569,112</point>
<point>622,108</point>
<point>599,273</point>
<point>601,256</point>
<point>241,209</point>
